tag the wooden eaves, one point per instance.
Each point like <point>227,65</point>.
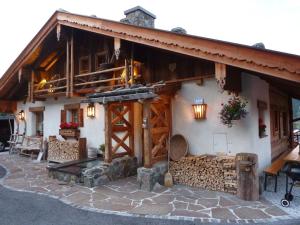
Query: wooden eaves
<point>272,63</point>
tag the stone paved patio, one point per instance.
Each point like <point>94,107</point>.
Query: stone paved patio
<point>124,198</point>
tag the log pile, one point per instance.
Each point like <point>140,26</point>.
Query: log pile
<point>217,173</point>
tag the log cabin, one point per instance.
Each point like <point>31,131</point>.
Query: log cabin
<point>131,86</point>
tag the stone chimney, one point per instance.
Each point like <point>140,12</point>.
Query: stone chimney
<point>139,16</point>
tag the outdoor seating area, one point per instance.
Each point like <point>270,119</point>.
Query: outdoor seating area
<point>123,197</point>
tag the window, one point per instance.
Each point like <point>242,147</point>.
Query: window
<point>262,126</point>
<point>37,120</point>
<point>72,113</point>
<point>84,64</point>
<point>39,128</point>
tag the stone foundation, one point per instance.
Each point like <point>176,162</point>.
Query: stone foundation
<point>99,174</point>
<point>106,172</point>
<point>148,177</point>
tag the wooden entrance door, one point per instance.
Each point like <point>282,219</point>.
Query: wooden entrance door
<point>160,123</point>
<point>120,116</point>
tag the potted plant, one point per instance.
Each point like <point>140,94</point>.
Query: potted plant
<point>261,128</point>
<point>69,130</point>
<point>234,109</point>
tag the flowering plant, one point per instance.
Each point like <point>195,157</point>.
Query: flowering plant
<point>234,109</point>
<point>261,127</point>
<point>70,125</point>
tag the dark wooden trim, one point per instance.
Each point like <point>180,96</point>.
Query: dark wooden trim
<point>37,109</point>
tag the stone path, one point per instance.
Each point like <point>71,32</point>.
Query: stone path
<point>123,197</point>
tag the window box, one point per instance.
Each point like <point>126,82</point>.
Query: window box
<point>69,133</point>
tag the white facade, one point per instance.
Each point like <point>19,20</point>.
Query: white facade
<point>210,135</point>
<point>204,136</point>
<point>93,129</point>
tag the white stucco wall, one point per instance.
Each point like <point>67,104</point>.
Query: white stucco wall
<point>93,129</point>
<point>209,136</point>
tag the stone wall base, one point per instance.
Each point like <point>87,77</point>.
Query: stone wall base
<point>105,172</point>
<point>148,177</point>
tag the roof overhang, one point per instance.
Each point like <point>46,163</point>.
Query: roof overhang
<point>272,63</point>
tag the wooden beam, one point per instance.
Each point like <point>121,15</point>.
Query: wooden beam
<point>67,68</point>
<point>108,134</point>
<point>32,86</point>
<point>147,134</point>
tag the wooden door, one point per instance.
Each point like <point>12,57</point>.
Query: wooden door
<point>121,122</point>
<point>160,123</point>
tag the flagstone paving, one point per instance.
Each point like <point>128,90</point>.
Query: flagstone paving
<point>124,198</point>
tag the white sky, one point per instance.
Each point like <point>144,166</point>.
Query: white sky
<point>276,23</point>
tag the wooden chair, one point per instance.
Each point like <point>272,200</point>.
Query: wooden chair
<point>31,146</point>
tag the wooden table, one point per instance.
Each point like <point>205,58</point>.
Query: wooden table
<point>293,156</point>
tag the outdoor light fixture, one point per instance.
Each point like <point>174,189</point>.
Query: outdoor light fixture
<point>21,115</point>
<point>199,109</point>
<point>91,110</point>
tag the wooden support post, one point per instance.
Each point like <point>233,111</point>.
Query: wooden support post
<point>220,72</point>
<point>108,134</point>
<point>147,134</point>
<point>67,69</point>
<point>72,67</point>
<point>32,86</point>
<point>290,119</point>
<point>82,148</point>
<point>126,75</point>
<point>131,135</point>
<point>29,91</point>
<point>138,131</point>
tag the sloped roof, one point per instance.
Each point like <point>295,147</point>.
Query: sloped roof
<point>273,63</point>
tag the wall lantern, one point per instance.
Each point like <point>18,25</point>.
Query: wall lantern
<point>91,110</point>
<point>21,115</point>
<point>199,109</point>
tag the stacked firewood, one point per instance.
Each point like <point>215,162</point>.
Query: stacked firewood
<point>211,172</point>
<point>63,151</point>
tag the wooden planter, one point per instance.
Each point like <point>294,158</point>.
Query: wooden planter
<point>69,133</point>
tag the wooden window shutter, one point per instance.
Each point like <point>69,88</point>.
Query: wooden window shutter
<point>80,115</point>
<point>63,116</point>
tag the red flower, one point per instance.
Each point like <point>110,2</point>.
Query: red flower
<point>70,125</point>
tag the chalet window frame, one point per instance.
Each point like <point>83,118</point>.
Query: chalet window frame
<point>80,64</point>
<point>39,119</point>
<point>68,114</point>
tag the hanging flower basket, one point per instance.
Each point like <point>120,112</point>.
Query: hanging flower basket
<point>234,109</point>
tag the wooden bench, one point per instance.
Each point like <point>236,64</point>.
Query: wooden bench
<point>31,145</point>
<point>274,169</point>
